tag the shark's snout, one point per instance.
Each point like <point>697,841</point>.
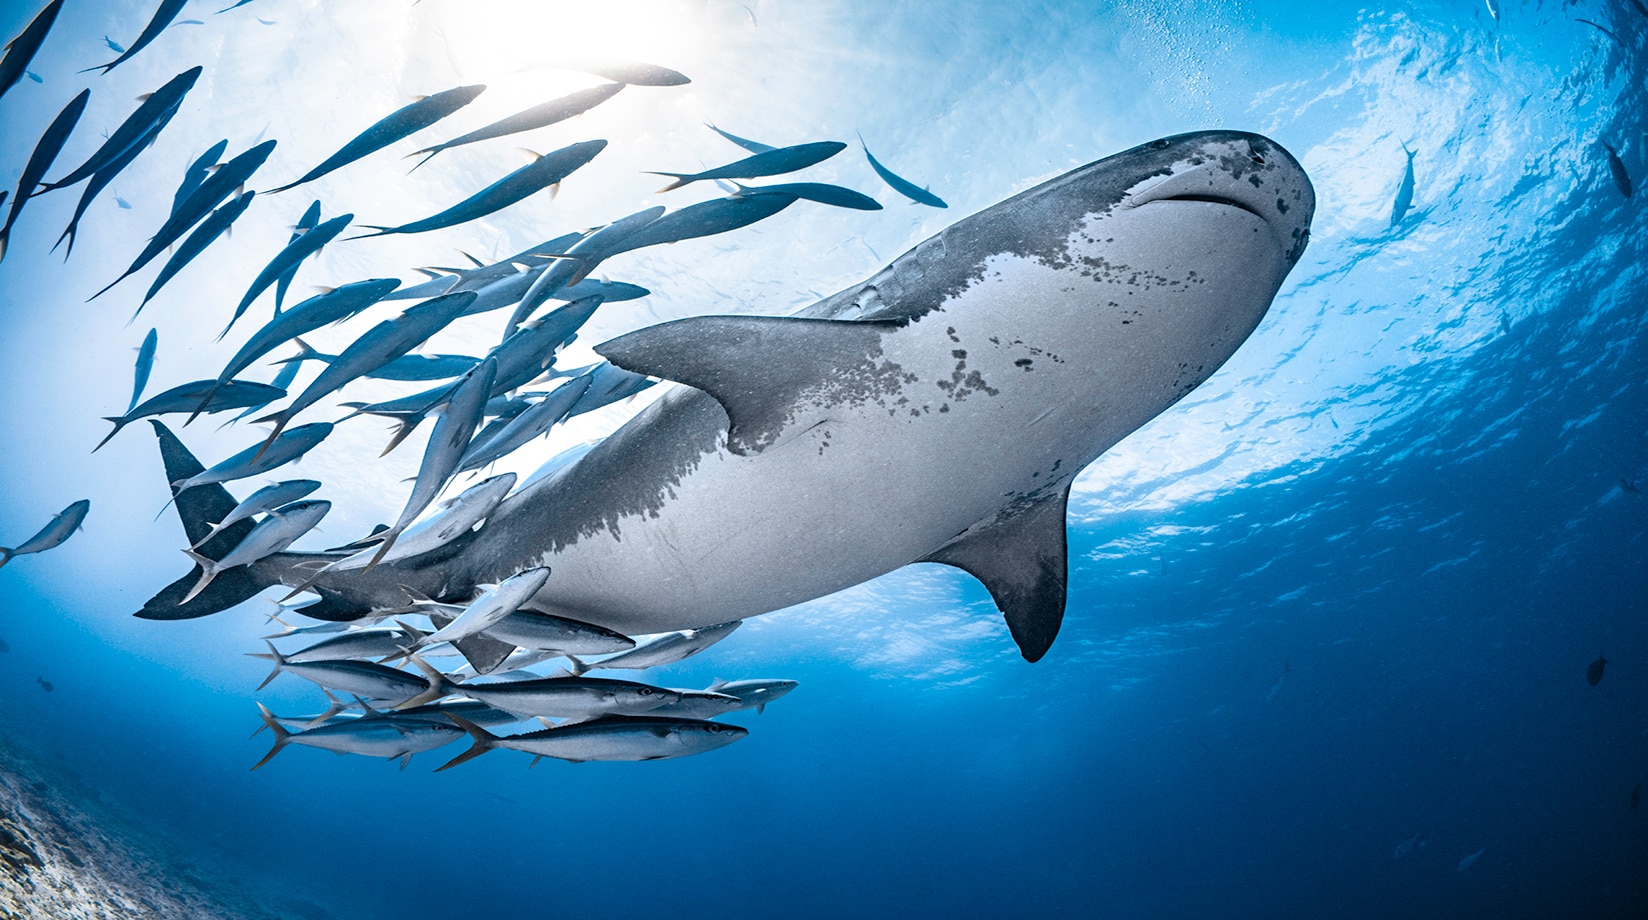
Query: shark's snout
<point>1249,172</point>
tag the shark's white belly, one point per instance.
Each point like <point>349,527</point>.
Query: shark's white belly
<point>1019,382</point>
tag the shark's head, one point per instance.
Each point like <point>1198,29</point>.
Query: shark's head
<point>1194,173</point>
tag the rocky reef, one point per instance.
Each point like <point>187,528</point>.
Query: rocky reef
<point>66,856</point>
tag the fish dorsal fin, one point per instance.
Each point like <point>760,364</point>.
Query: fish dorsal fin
<point>767,372</point>
<point>1020,557</point>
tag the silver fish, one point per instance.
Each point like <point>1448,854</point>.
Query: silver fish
<point>45,153</point>
<point>374,735</point>
<point>445,448</point>
<point>900,184</point>
<point>214,191</point>
<point>820,192</point>
<point>157,24</point>
<point>288,259</point>
<point>309,220</point>
<point>197,172</point>
<point>215,225</point>
<point>542,632</point>
<point>62,526</point>
<point>200,395</point>
<point>264,499</point>
<point>545,171</point>
<point>279,529</point>
<point>1404,192</point>
<point>755,693</point>
<point>362,678</point>
<point>406,367</point>
<point>260,458</point>
<point>619,70</point>
<point>577,698</point>
<point>145,364</point>
<point>665,649</point>
<point>526,426</point>
<point>582,258</point>
<point>332,306</point>
<point>379,642</point>
<point>20,50</point>
<point>700,704</point>
<point>1616,167</point>
<point>609,738</point>
<point>138,129</point>
<point>718,215</point>
<point>768,163</point>
<point>398,124</point>
<point>482,275</point>
<point>746,143</point>
<point>539,116</point>
<point>456,517</point>
<point>381,344</point>
<point>493,605</point>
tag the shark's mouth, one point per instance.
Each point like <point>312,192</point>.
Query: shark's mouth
<point>1218,199</point>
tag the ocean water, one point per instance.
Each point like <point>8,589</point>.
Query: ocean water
<point>1329,617</point>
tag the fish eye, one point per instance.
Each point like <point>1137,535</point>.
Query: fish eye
<point>646,691</point>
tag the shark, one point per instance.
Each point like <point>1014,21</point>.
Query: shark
<point>936,412</point>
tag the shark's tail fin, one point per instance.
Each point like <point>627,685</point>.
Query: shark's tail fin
<point>6,553</point>
<point>198,507</point>
<point>282,735</point>
<point>484,741</point>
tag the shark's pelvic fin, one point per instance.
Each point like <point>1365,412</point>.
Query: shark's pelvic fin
<point>760,368</point>
<point>1020,556</point>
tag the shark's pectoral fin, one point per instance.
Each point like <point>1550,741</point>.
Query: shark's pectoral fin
<point>483,652</point>
<point>767,372</point>
<point>1020,556</point>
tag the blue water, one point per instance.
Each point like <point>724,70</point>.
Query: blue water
<point>1341,598</point>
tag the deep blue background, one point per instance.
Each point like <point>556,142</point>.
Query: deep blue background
<point>1261,689</point>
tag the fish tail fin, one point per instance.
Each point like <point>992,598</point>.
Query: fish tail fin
<point>429,150</point>
<point>197,507</point>
<point>282,735</point>
<point>680,180</point>
<point>336,706</point>
<point>405,425</point>
<point>437,685</point>
<point>484,741</point>
<point>5,237</point>
<point>119,423</point>
<point>208,571</point>
<point>275,656</point>
<point>103,67</point>
<point>388,541</point>
<point>279,419</point>
<point>205,401</point>
<point>579,666</point>
<point>382,231</point>
<point>68,234</point>
<point>6,553</point>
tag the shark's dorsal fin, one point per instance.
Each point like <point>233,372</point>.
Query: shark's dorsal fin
<point>761,369</point>
<point>1020,557</point>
